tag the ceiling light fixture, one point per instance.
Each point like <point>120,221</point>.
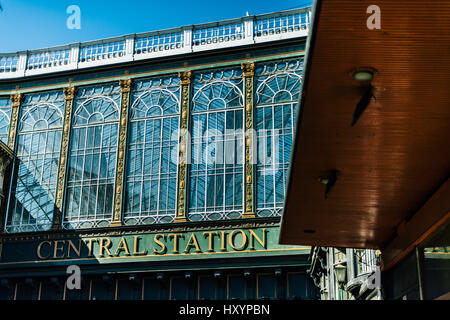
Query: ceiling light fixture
<point>363,75</point>
<point>328,180</point>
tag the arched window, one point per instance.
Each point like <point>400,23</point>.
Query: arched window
<point>277,97</point>
<point>5,114</point>
<point>151,168</point>
<point>35,169</point>
<point>217,154</point>
<point>92,157</point>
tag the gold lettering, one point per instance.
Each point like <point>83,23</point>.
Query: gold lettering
<point>223,241</point>
<point>210,235</point>
<point>233,236</point>
<point>90,246</point>
<point>104,247</point>
<point>39,250</point>
<point>122,246</point>
<point>192,242</point>
<point>57,248</point>
<point>254,236</point>
<point>160,243</point>
<point>237,239</point>
<point>75,250</point>
<point>175,240</point>
<point>136,247</point>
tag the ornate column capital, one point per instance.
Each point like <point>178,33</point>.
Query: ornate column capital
<point>185,77</point>
<point>69,93</point>
<point>16,99</point>
<point>248,69</point>
<point>125,85</point>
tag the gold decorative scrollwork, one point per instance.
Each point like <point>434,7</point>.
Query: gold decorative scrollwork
<point>125,86</point>
<point>185,78</point>
<point>249,72</point>
<point>16,100</point>
<point>69,95</point>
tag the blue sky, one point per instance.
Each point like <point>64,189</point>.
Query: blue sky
<point>34,24</point>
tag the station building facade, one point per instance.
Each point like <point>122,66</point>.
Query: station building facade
<point>155,163</point>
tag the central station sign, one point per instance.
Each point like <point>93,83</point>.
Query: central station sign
<point>156,244</point>
<point>143,246</point>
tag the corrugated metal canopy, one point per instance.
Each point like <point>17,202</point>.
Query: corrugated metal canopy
<point>398,153</point>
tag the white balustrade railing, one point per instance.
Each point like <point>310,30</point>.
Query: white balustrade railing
<point>8,63</point>
<point>209,36</point>
<point>158,42</point>
<point>48,59</point>
<point>218,33</point>
<point>102,50</point>
<point>273,25</point>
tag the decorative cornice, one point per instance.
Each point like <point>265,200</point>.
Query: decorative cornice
<point>145,74</point>
<point>142,229</point>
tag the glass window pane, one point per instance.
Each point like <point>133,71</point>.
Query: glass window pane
<point>210,288</point>
<point>26,291</point>
<point>35,168</point>
<point>266,286</point>
<point>156,289</point>
<point>276,97</point>
<point>297,284</point>
<point>207,288</point>
<point>102,289</point>
<point>129,290</point>
<point>238,288</point>
<point>92,157</point>
<point>216,171</point>
<point>182,289</point>
<point>151,172</point>
<point>5,116</point>
<point>7,291</point>
<point>52,291</point>
<point>78,294</point>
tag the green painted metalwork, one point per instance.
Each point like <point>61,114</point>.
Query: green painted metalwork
<point>135,247</point>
